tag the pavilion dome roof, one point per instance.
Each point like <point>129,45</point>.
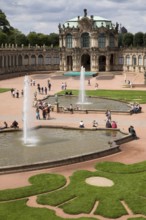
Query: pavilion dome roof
<point>98,21</point>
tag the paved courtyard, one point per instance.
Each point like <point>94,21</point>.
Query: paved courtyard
<point>12,109</point>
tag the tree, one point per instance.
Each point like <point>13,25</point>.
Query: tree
<point>54,39</point>
<point>4,23</point>
<point>33,38</point>
<point>144,39</point>
<point>128,39</point>
<point>138,39</point>
<point>3,38</point>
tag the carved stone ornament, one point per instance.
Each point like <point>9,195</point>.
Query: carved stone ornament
<point>85,24</point>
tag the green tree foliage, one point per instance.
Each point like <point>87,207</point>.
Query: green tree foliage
<point>33,38</point>
<point>42,39</point>
<point>138,39</point>
<point>3,38</point>
<point>144,39</point>
<point>54,39</point>
<point>128,39</point>
<point>4,23</point>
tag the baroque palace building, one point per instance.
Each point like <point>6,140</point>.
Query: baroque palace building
<point>88,41</point>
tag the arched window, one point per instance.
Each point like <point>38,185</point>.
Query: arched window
<point>128,60</point>
<point>101,40</point>
<point>69,41</point>
<point>48,59</point>
<point>111,40</point>
<point>144,61</point>
<point>134,60</point>
<point>19,60</point>
<point>85,40</point>
<point>121,60</point>
<point>140,60</point>
<point>33,60</point>
<point>40,60</point>
<point>26,60</point>
<point>1,61</point>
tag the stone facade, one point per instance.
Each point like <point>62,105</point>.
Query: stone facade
<point>88,41</point>
<point>91,42</point>
<point>18,60</point>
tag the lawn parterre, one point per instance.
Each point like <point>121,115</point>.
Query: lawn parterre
<point>78,197</point>
<point>121,95</point>
<point>4,90</point>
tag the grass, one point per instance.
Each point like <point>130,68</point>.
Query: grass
<point>4,90</point>
<point>78,197</point>
<point>121,95</point>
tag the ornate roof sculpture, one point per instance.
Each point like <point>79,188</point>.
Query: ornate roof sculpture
<point>82,22</point>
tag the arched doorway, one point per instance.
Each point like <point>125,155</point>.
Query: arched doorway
<point>102,63</point>
<point>69,63</point>
<point>85,61</point>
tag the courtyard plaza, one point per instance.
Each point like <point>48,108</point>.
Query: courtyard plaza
<point>11,109</point>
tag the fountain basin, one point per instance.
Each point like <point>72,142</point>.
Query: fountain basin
<point>95,103</point>
<point>55,147</point>
<point>73,73</point>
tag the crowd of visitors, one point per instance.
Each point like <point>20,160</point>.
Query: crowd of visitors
<point>135,108</point>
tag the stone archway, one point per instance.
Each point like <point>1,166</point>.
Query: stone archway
<point>85,61</point>
<point>69,63</point>
<point>102,63</point>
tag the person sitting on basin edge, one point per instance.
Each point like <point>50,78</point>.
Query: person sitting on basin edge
<point>4,126</point>
<point>132,131</point>
<point>14,124</point>
<point>81,124</point>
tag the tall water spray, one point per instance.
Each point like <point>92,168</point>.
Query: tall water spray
<point>82,95</point>
<point>28,138</point>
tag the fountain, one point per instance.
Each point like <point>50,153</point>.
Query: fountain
<point>28,138</point>
<point>54,145</point>
<point>82,95</point>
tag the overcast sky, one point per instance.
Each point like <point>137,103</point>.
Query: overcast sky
<point>43,16</point>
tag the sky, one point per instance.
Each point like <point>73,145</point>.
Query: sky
<point>43,16</point>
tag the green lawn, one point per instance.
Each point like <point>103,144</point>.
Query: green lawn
<point>123,95</point>
<point>4,90</point>
<point>78,197</point>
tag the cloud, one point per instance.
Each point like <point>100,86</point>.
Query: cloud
<point>44,16</point>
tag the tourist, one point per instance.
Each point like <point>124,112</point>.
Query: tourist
<point>22,92</point>
<point>71,108</point>
<point>33,82</point>
<point>89,84</point>
<point>4,126</point>
<point>13,93</point>
<point>42,90</point>
<point>132,131</point>
<point>17,94</point>
<point>45,90</point>
<point>81,125</point>
<point>49,86</point>
<point>135,108</point>
<point>96,86</point>
<point>95,124</point>
<point>108,114</point>
<point>62,86</point>
<point>14,124</point>
<point>108,124</point>
<point>37,113</point>
<point>39,88</point>
<point>114,124</point>
<point>65,85</point>
<point>12,90</point>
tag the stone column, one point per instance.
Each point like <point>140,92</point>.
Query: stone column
<point>108,63</point>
